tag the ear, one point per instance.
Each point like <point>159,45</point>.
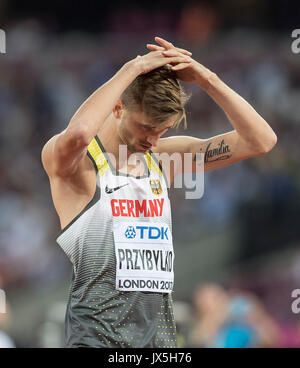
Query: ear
<point>118,109</point>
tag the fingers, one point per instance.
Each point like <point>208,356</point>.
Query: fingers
<point>180,66</point>
<point>172,55</point>
<point>150,46</point>
<point>184,51</point>
<point>174,52</point>
<point>168,45</point>
<point>160,48</point>
<point>178,59</point>
<point>171,61</point>
<point>156,59</point>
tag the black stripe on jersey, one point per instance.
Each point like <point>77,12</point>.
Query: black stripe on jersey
<point>93,161</point>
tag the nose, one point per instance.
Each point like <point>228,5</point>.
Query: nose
<point>153,140</point>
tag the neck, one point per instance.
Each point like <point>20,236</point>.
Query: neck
<point>108,135</point>
<point>111,140</point>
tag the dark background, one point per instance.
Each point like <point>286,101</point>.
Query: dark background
<point>94,16</point>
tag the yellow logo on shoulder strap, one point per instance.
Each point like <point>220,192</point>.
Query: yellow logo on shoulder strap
<point>98,157</point>
<point>156,187</point>
<point>152,165</point>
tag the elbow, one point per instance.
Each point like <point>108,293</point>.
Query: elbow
<point>80,135</point>
<point>268,144</point>
<point>274,141</point>
<point>83,136</point>
<point>271,143</point>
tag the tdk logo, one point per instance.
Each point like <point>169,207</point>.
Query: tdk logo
<point>130,232</point>
<point>150,232</point>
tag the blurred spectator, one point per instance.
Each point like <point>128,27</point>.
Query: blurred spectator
<point>210,302</point>
<point>225,320</point>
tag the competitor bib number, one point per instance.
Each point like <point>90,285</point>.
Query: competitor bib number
<point>144,256</point>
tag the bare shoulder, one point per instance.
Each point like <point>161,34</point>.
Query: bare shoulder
<point>77,177</point>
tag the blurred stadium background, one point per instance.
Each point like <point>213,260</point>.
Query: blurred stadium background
<point>243,235</point>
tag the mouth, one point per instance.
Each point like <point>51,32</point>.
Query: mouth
<point>145,147</point>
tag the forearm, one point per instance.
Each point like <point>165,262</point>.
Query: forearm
<point>250,126</point>
<point>93,112</point>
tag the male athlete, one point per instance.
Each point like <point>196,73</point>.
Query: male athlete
<point>115,216</point>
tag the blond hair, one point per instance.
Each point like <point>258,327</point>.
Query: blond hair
<point>158,95</point>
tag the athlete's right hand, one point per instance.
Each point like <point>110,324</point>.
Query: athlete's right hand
<point>156,59</point>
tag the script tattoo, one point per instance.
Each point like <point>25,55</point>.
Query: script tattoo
<point>221,152</point>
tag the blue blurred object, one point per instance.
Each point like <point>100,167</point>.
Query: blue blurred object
<point>236,335</point>
<point>237,332</point>
<point>239,306</point>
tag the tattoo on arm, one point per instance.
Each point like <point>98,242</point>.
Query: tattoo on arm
<point>216,154</point>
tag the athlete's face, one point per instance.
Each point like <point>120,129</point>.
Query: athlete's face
<point>139,133</point>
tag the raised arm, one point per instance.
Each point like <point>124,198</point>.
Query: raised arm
<point>252,135</point>
<point>62,153</point>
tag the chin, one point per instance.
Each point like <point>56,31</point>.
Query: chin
<point>143,149</point>
<point>134,148</point>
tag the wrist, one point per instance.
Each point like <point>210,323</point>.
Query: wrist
<point>133,68</point>
<point>207,80</point>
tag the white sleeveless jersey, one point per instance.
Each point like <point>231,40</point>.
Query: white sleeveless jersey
<point>121,249</point>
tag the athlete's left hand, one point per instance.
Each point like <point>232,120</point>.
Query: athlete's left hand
<point>194,73</point>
